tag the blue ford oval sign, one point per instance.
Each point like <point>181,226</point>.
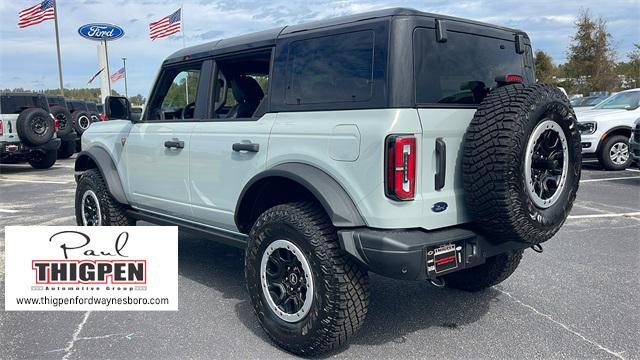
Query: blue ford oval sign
<point>101,32</point>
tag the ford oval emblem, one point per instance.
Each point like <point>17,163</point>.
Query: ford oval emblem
<point>439,207</point>
<point>101,32</point>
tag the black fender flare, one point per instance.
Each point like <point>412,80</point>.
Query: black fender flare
<point>104,163</point>
<point>339,206</point>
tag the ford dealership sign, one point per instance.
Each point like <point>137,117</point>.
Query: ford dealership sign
<point>101,31</point>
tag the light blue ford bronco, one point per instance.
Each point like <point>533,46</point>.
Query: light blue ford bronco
<point>412,145</point>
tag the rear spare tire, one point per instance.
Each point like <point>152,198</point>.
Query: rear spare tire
<point>35,126</point>
<point>81,121</point>
<point>65,121</point>
<point>521,163</point>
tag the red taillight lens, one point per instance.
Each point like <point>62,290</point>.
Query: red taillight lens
<point>514,79</point>
<point>55,125</point>
<point>1,128</point>
<point>401,167</point>
<point>103,117</point>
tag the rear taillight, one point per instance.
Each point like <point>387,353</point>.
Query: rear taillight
<point>55,123</point>
<point>103,117</point>
<point>509,79</point>
<point>400,181</point>
<point>1,128</point>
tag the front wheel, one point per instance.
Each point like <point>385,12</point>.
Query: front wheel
<point>94,204</point>
<point>308,294</point>
<point>614,153</point>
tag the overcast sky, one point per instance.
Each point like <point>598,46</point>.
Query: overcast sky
<point>28,56</point>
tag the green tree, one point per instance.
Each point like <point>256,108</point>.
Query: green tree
<point>137,100</point>
<point>591,57</point>
<point>630,69</point>
<point>545,70</point>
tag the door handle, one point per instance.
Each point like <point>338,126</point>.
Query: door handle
<point>174,144</point>
<point>441,163</point>
<point>250,147</point>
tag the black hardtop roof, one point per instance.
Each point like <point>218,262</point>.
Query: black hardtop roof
<point>23,93</point>
<point>268,37</point>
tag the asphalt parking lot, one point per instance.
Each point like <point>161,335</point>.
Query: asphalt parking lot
<point>579,299</point>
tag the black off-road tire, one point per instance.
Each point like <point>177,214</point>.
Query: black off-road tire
<point>495,270</point>
<point>494,156</point>
<point>35,126</point>
<point>605,148</point>
<point>81,121</point>
<point>43,159</point>
<point>65,120</point>
<point>341,293</point>
<point>67,148</point>
<point>112,212</point>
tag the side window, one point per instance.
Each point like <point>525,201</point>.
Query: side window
<point>175,93</point>
<point>331,69</point>
<point>242,86</point>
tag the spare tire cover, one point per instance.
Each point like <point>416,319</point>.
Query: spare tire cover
<point>65,121</point>
<point>35,126</point>
<point>521,163</point>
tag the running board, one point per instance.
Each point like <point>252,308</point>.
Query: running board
<point>225,237</point>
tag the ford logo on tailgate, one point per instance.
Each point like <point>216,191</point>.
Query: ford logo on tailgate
<point>101,31</point>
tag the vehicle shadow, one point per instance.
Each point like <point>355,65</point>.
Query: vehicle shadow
<point>396,310</point>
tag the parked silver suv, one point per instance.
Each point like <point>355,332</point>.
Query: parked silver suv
<point>412,145</point>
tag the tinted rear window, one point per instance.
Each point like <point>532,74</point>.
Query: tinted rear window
<point>331,69</point>
<point>76,105</point>
<point>463,69</point>
<point>56,101</point>
<point>15,104</point>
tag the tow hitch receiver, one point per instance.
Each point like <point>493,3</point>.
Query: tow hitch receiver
<point>444,259</point>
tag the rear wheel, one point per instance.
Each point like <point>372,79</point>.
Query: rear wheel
<point>94,204</point>
<point>614,153</point>
<point>81,121</point>
<point>43,159</point>
<point>308,294</point>
<point>495,270</point>
<point>67,148</point>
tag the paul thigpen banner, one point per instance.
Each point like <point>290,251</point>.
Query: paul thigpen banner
<point>91,268</point>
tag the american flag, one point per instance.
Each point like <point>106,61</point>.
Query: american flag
<point>117,75</point>
<point>36,14</point>
<point>166,26</point>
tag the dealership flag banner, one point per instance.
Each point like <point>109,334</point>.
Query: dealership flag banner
<point>117,75</point>
<point>118,268</point>
<point>95,76</point>
<point>38,13</point>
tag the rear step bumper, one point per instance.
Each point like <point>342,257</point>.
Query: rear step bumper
<point>411,254</point>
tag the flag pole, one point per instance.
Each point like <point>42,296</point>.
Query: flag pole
<point>106,55</point>
<point>55,20</point>
<point>186,81</point>
<point>124,63</point>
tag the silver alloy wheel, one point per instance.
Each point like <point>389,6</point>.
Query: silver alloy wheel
<point>90,208</point>
<point>546,163</point>
<point>84,122</point>
<point>286,281</point>
<point>619,153</point>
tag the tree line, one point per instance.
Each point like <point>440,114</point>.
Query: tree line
<point>591,64</point>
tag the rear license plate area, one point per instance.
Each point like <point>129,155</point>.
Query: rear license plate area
<point>444,259</point>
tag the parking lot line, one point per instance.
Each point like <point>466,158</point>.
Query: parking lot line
<point>37,181</point>
<point>606,179</point>
<point>8,211</point>
<point>634,170</point>
<point>602,215</point>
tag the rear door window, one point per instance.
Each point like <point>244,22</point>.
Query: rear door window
<point>331,69</point>
<point>463,69</point>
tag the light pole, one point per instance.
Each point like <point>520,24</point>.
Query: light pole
<point>124,63</point>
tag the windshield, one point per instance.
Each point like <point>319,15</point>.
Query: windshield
<point>625,100</point>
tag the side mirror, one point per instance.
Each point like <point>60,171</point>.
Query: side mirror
<point>117,107</point>
<point>630,107</point>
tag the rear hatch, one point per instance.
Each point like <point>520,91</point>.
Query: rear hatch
<point>11,105</point>
<point>451,78</point>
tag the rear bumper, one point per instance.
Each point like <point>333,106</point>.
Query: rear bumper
<point>405,254</point>
<point>19,148</point>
